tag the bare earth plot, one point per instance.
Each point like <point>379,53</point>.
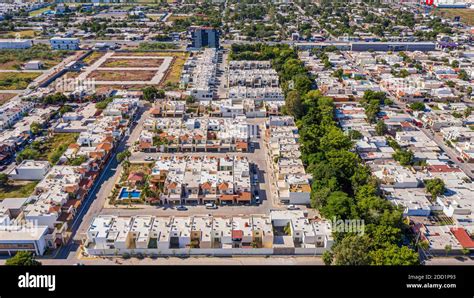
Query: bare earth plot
<point>128,69</point>
<point>123,75</point>
<point>467,15</point>
<point>5,97</point>
<point>119,62</point>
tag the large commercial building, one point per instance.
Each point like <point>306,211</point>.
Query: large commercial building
<point>15,43</point>
<point>202,37</point>
<point>393,46</point>
<point>59,43</point>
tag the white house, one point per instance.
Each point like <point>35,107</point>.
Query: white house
<point>30,170</point>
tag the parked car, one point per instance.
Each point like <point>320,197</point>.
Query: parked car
<point>149,158</point>
<point>181,208</point>
<point>211,206</point>
<point>293,207</point>
<point>257,200</point>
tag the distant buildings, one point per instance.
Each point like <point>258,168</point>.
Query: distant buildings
<point>15,43</point>
<point>60,43</point>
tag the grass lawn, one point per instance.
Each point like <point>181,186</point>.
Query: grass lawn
<point>92,58</point>
<point>39,11</point>
<point>50,149</point>
<point>57,145</point>
<point>17,190</point>
<point>467,15</point>
<point>173,74</point>
<point>16,80</point>
<point>5,97</point>
<point>173,18</point>
<point>21,34</point>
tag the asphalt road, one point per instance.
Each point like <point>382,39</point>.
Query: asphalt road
<point>91,205</point>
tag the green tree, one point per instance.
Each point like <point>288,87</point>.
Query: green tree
<point>3,179</point>
<point>463,75</point>
<point>27,153</point>
<point>447,249</point>
<point>355,134</point>
<point>435,187</point>
<point>23,258</point>
<point>381,128</point>
<point>124,155</point>
<point>335,139</point>
<point>35,128</point>
<point>327,257</point>
<point>352,250</point>
<point>64,109</point>
<point>338,205</point>
<point>417,106</point>
<point>294,105</point>
<point>404,157</point>
<point>394,255</point>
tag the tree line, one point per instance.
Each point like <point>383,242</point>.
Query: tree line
<point>342,187</point>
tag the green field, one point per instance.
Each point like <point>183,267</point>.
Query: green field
<point>17,190</point>
<point>13,59</point>
<point>16,80</point>
<point>21,34</point>
<point>39,11</point>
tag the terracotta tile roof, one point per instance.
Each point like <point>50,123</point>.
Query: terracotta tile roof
<point>237,234</point>
<point>463,237</point>
<point>442,169</point>
<point>245,196</point>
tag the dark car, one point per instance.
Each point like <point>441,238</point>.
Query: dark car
<point>181,208</point>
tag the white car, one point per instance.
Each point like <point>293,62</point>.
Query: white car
<point>293,207</point>
<point>148,158</point>
<point>211,206</point>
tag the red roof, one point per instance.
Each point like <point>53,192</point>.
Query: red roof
<point>463,237</point>
<point>237,234</point>
<point>245,196</point>
<point>443,169</point>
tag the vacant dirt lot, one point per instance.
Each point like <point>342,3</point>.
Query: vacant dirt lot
<point>122,75</point>
<point>119,62</point>
<point>467,15</point>
<point>5,97</point>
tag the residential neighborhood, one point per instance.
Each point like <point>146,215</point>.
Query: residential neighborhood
<point>343,131</point>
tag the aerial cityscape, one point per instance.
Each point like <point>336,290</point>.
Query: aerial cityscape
<point>265,131</point>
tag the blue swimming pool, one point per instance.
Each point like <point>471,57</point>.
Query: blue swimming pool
<point>124,194</point>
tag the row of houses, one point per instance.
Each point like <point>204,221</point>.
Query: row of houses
<point>292,182</point>
<point>202,134</point>
<point>201,180</point>
<point>20,115</point>
<point>245,235</point>
<point>62,188</point>
<point>199,74</point>
<point>442,218</point>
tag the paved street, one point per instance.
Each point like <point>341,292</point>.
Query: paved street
<point>466,167</point>
<point>174,261</point>
<point>95,200</point>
